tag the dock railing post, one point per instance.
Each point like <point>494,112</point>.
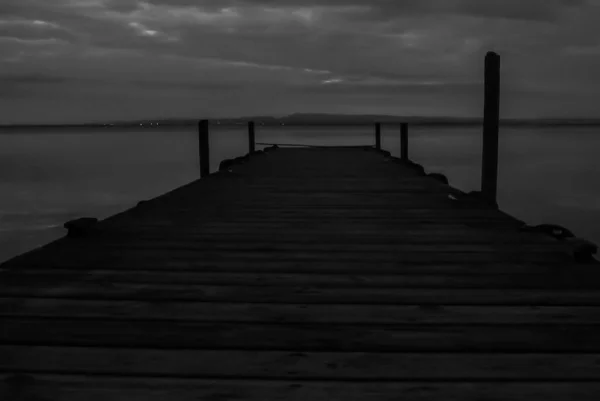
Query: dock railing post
<point>251,138</point>
<point>404,141</point>
<point>203,148</point>
<point>491,122</point>
<point>378,136</point>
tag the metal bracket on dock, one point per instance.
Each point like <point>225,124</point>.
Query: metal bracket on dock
<point>582,249</point>
<point>556,231</point>
<point>408,163</point>
<point>440,177</point>
<point>383,152</point>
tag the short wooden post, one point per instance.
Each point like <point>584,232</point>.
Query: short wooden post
<point>378,136</point>
<point>251,139</point>
<point>204,150</point>
<point>491,122</point>
<point>404,141</point>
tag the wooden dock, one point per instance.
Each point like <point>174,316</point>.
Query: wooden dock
<point>303,274</point>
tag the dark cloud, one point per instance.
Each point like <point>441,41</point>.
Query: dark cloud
<point>244,56</point>
<point>432,89</point>
<point>30,30</point>
<point>511,9</point>
<point>188,86</point>
<point>123,5</point>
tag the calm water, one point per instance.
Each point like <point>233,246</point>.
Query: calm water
<point>48,177</point>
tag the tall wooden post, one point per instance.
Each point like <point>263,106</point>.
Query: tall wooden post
<point>204,150</point>
<point>378,136</point>
<point>491,122</point>
<point>251,139</point>
<point>404,141</point>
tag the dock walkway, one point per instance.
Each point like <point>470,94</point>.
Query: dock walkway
<point>303,274</point>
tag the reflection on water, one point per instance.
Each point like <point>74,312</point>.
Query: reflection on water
<point>49,177</point>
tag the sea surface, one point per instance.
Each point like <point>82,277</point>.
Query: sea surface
<point>47,177</point>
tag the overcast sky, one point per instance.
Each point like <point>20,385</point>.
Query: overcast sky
<point>92,60</point>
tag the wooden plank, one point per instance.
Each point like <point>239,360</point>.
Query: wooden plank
<point>398,281</point>
<point>298,313</point>
<point>357,215</point>
<point>310,294</point>
<point>365,230</point>
<point>283,365</point>
<point>245,235</point>
<point>301,337</point>
<point>157,272</point>
<point>188,259</point>
<point>282,188</point>
<point>291,248</point>
<point>76,388</point>
<point>342,231</point>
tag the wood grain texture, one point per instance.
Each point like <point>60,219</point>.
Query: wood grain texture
<point>303,274</point>
<point>101,388</point>
<point>302,365</point>
<point>131,310</point>
<point>426,338</point>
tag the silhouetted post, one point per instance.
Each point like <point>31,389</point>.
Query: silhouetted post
<point>251,140</point>
<point>378,136</point>
<point>491,122</point>
<point>204,150</point>
<point>404,141</point>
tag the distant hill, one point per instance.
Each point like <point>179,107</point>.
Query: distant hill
<point>363,119</point>
<point>301,118</point>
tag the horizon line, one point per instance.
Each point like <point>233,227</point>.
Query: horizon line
<point>422,119</point>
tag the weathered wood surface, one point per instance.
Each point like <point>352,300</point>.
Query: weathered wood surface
<point>303,274</point>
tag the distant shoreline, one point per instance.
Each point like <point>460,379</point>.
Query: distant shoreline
<point>307,124</point>
<point>299,120</point>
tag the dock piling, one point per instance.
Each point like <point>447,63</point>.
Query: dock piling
<point>251,137</point>
<point>404,141</point>
<point>378,136</point>
<point>203,148</point>
<point>489,167</point>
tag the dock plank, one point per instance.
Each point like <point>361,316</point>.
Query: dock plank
<point>161,389</point>
<point>313,295</point>
<point>354,280</point>
<point>284,365</point>
<point>472,337</point>
<point>297,313</point>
